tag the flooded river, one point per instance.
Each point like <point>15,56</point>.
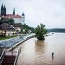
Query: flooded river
<point>34,52</point>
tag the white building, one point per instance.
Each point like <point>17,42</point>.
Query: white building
<point>16,18</point>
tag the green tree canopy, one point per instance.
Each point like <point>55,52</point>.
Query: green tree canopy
<point>11,21</point>
<point>27,28</point>
<point>1,21</point>
<point>40,31</point>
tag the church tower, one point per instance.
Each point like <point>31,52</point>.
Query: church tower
<point>3,10</point>
<point>23,18</point>
<point>14,11</point>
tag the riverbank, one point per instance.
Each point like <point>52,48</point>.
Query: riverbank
<point>21,41</point>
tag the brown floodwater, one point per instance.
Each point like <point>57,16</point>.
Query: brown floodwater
<point>34,52</point>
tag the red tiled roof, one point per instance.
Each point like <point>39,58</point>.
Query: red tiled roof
<point>11,16</point>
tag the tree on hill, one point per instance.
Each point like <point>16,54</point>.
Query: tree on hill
<point>11,21</point>
<point>27,28</point>
<point>1,21</point>
<point>40,31</point>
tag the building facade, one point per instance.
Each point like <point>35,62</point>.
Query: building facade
<point>17,18</point>
<point>7,30</point>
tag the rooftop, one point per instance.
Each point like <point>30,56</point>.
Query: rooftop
<point>11,16</point>
<point>5,26</point>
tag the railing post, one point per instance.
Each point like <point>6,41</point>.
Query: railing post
<point>1,49</point>
<point>2,55</point>
<point>20,50</point>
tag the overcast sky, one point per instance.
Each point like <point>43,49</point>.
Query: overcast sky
<point>49,12</point>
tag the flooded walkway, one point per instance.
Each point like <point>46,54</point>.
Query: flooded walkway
<point>34,52</point>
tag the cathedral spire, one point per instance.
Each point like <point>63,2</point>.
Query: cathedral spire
<point>2,6</point>
<point>14,11</point>
<point>2,9</point>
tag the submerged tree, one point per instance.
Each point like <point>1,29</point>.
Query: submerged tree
<point>40,31</point>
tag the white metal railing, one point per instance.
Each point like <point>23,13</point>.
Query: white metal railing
<point>2,56</point>
<point>18,52</point>
<point>2,53</point>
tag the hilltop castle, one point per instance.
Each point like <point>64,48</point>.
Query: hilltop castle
<point>17,18</point>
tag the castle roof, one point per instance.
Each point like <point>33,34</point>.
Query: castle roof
<point>11,16</point>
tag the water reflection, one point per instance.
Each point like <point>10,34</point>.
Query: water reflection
<point>40,47</point>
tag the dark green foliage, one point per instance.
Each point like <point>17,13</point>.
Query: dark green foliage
<point>56,30</point>
<point>11,21</point>
<point>27,28</point>
<point>40,31</point>
<point>1,21</point>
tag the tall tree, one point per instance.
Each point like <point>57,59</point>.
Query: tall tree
<point>40,31</point>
